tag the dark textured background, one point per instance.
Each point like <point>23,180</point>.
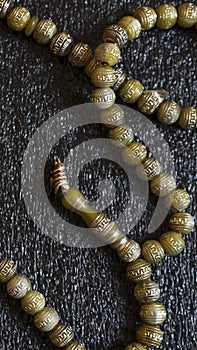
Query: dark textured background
<point>88,287</point>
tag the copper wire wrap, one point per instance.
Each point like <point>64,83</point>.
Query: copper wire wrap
<point>59,177</point>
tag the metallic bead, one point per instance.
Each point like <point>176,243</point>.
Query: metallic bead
<point>134,153</point>
<point>7,269</point>
<point>163,184</point>
<point>103,98</point>
<point>178,200</point>
<point>188,118</point>
<point>172,242</point>
<point>153,314</point>
<point>61,335</point>
<point>152,251</point>
<point>168,112</point>
<point>115,34</point>
<point>166,16</point>
<point>182,223</point>
<point>91,66</point>
<point>18,18</point>
<point>112,116</point>
<point>120,79</point>
<point>149,335</point>
<point>138,270</point>
<point>107,53</point>
<point>150,100</point>
<point>131,25</point>
<point>105,229</point>
<point>187,15</point>
<point>46,319</point>
<point>5,7</point>
<point>131,91</point>
<point>75,345</point>
<point>31,25</point>
<point>146,16</point>
<point>103,76</point>
<point>130,251</point>
<point>33,302</point>
<point>80,55</point>
<point>135,346</point>
<point>149,169</point>
<point>147,292</point>
<point>123,135</point>
<point>44,31</point>
<point>18,286</point>
<point>60,44</point>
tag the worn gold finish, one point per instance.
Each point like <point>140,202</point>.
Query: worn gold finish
<point>172,242</point>
<point>7,269</point>
<point>147,292</point>
<point>131,25</point>
<point>61,44</point>
<point>5,7</point>
<point>150,100</point>
<point>103,98</point>
<point>188,118</point>
<point>17,18</point>
<point>153,313</point>
<point>115,34</point>
<point>182,223</point>
<point>138,270</point>
<point>146,16</point>
<point>18,286</point>
<point>149,335</point>
<point>163,184</point>
<point>131,90</point>
<point>91,66</point>
<point>80,55</point>
<point>168,112</point>
<point>33,302</point>
<point>61,335</point>
<point>130,251</point>
<point>187,15</point>
<point>46,319</point>
<point>103,76</point>
<point>136,152</point>
<point>178,200</point>
<point>112,116</point>
<point>166,16</point>
<point>149,170</point>
<point>44,31</point>
<point>31,25</point>
<point>152,251</point>
<point>123,135</point>
<point>107,53</point>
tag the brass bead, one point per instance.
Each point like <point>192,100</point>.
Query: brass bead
<point>147,292</point>
<point>120,79</point>
<point>163,184</point>
<point>115,34</point>
<point>188,118</point>
<point>123,135</point>
<point>187,15</point>
<point>80,55</point>
<point>131,91</point>
<point>136,152</point>
<point>46,319</point>
<point>107,53</point>
<point>172,242</point>
<point>103,76</point>
<point>33,302</point>
<point>44,31</point>
<point>31,25</point>
<point>146,16</point>
<point>153,314</point>
<point>178,200</point>
<point>103,98</point>
<point>138,270</point>
<point>18,286</point>
<point>112,116</point>
<point>150,169</point>
<point>18,18</point>
<point>91,66</point>
<point>75,345</point>
<point>149,335</point>
<point>61,335</point>
<point>166,16</point>
<point>168,112</point>
<point>150,100</point>
<point>152,251</point>
<point>7,269</point>
<point>5,7</point>
<point>135,346</point>
<point>131,25</point>
<point>182,223</point>
<point>130,251</point>
<point>60,44</point>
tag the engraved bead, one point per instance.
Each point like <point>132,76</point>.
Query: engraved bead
<point>122,134</point>
<point>131,91</point>
<point>163,184</point>
<point>91,66</point>
<point>146,16</point>
<point>80,55</point>
<point>135,346</point>
<point>103,76</point>
<point>75,345</point>
<point>150,100</point>
<point>178,200</point>
<point>31,25</point>
<point>182,222</point>
<point>33,302</point>
<point>146,292</point>
<point>46,319</point>
<point>44,31</point>
<point>120,79</point>
<point>149,335</point>
<point>112,116</point>
<point>7,269</point>
<point>153,314</point>
<point>172,242</point>
<point>104,97</point>
<point>166,16</point>
<point>18,286</point>
<point>60,44</point>
<point>149,170</point>
<point>61,335</point>
<point>136,152</point>
<point>18,18</point>
<point>168,112</point>
<point>115,34</point>
<point>108,53</point>
<point>130,251</point>
<point>131,25</point>
<point>138,270</point>
<point>187,15</point>
<point>152,251</point>
<point>188,118</point>
<point>5,7</point>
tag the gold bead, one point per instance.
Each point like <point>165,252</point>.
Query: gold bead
<point>18,18</point>
<point>163,184</point>
<point>112,116</point>
<point>182,223</point>
<point>61,335</point>
<point>152,251</point>
<point>172,242</point>
<point>5,7</point>
<point>75,345</point>
<point>147,292</point>
<point>149,335</point>
<point>187,15</point>
<point>131,91</point>
<point>166,16</point>
<point>103,76</point>
<point>33,302</point>
<point>138,270</point>
<point>120,79</point>
<point>168,112</point>
<point>103,98</point>
<point>60,44</point>
<point>46,319</point>
<point>115,34</point>
<point>31,25</point>
<point>123,135</point>
<point>153,314</point>
<point>44,31</point>
<point>188,118</point>
<point>150,100</point>
<point>149,170</point>
<point>107,53</point>
<point>178,200</point>
<point>91,66</point>
<point>18,286</point>
<point>7,269</point>
<point>130,251</point>
<point>146,16</point>
<point>131,25</point>
<point>135,346</point>
<point>136,152</point>
<point>80,55</point>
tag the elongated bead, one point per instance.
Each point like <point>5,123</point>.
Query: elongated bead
<point>153,314</point>
<point>168,112</point>
<point>149,335</point>
<point>146,16</point>
<point>5,7</point>
<point>107,53</point>
<point>18,18</point>
<point>138,270</point>
<point>152,251</point>
<point>131,25</point>
<point>149,170</point>
<point>103,76</point>
<point>103,97</point>
<point>187,15</point>
<point>163,184</point>
<point>146,292</point>
<point>134,153</point>
<point>182,223</point>
<point>131,90</point>
<point>188,118</point>
<point>166,16</point>
<point>172,242</point>
<point>115,34</point>
<point>123,135</point>
<point>7,269</point>
<point>178,200</point>
<point>44,31</point>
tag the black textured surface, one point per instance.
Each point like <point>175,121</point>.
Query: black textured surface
<point>88,287</point>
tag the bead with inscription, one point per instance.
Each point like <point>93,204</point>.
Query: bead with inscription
<point>31,25</point>
<point>163,184</point>
<point>178,200</point>
<point>103,97</point>
<point>5,7</point>
<point>105,229</point>
<point>103,76</point>
<point>149,169</point>
<point>131,25</point>
<point>123,135</point>
<point>107,53</point>
<point>153,314</point>
<point>91,66</point>
<point>138,270</point>
<point>135,346</point>
<point>17,18</point>
<point>46,319</point>
<point>131,90</point>
<point>18,286</point>
<point>168,112</point>
<point>61,335</point>
<point>182,222</point>
<point>120,79</point>
<point>134,153</point>
<point>166,16</point>
<point>152,251</point>
<point>115,34</point>
<point>172,242</point>
<point>80,55</point>
<point>130,251</point>
<point>149,335</point>
<point>112,116</point>
<point>7,269</point>
<point>147,17</point>
<point>60,44</point>
<point>33,302</point>
<point>188,118</point>
<point>75,345</point>
<point>146,292</point>
<point>44,31</point>
<point>187,15</point>
<point>150,100</point>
